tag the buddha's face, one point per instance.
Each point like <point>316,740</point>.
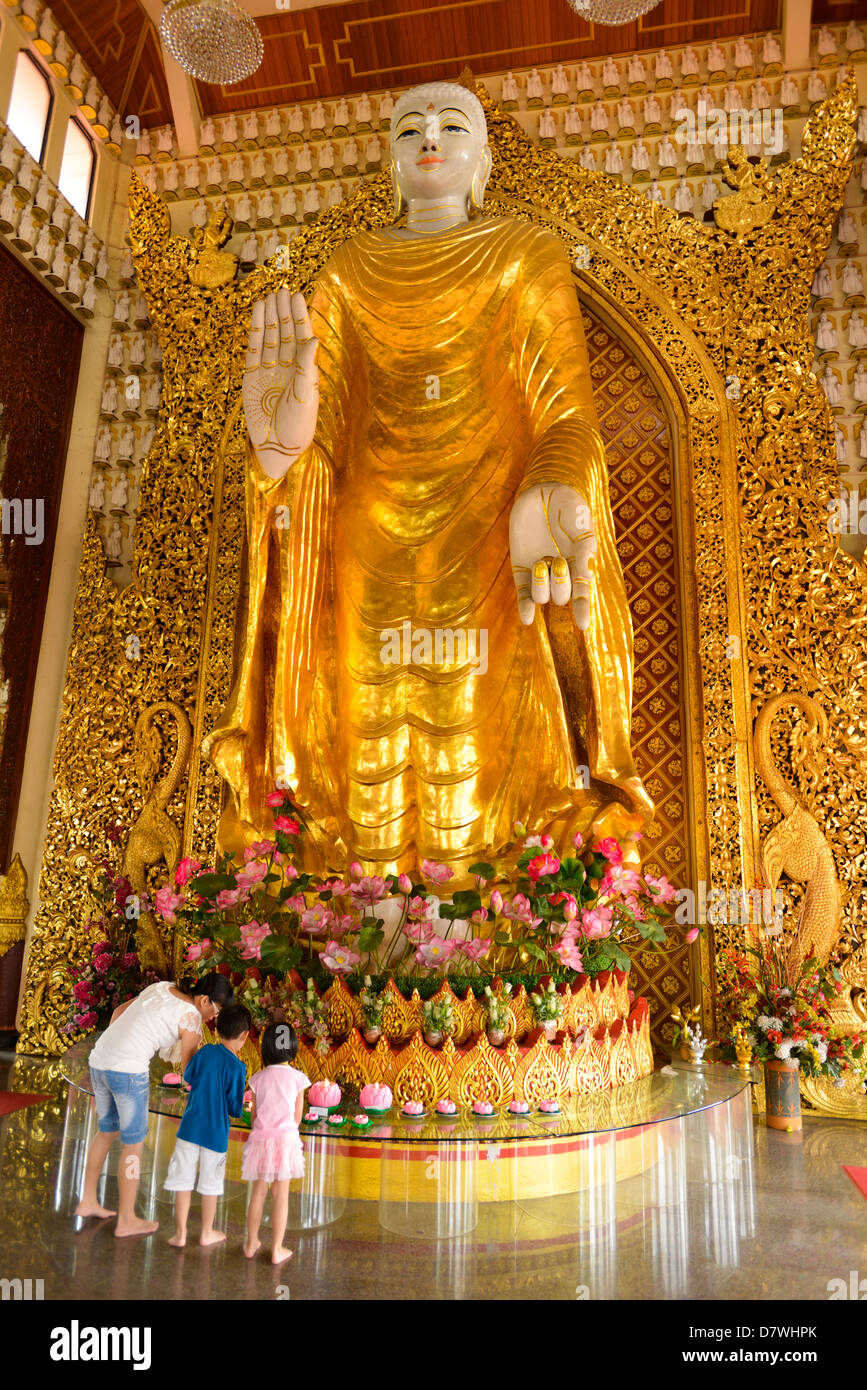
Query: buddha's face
<point>435,148</point>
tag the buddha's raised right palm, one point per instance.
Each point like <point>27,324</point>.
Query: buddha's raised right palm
<point>281,381</point>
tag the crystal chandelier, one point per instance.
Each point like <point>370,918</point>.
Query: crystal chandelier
<point>612,11</point>
<point>213,40</point>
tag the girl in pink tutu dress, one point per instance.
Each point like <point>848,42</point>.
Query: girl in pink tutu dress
<point>273,1154</point>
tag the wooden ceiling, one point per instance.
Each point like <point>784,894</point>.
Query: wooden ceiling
<point>373,44</point>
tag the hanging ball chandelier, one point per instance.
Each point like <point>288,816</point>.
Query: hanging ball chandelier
<point>213,40</point>
<point>612,11</point>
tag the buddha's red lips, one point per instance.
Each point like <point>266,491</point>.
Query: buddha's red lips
<point>420,162</point>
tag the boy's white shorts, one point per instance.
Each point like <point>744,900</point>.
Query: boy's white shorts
<point>186,1159</point>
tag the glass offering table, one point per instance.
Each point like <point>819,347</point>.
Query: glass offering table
<point>429,1175</point>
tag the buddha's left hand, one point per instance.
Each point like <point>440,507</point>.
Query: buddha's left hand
<point>552,541</point>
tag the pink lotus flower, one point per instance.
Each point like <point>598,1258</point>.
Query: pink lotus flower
<point>252,936</point>
<point>595,922</point>
<point>543,864</point>
<point>297,903</point>
<point>341,925</point>
<point>520,910</point>
<point>446,1107</point>
<point>369,891</point>
<point>496,901</point>
<point>317,920</point>
<point>620,880</point>
<point>479,916</point>
<point>437,873</point>
<point>418,932</point>
<point>482,1107</point>
<point>198,948</point>
<point>172,1078</point>
<point>420,908</point>
<point>549,1107</point>
<point>375,1096</point>
<point>570,905</point>
<point>337,886</point>
<point>230,897</point>
<point>578,840</point>
<point>660,888</point>
<point>275,798</point>
<point>404,883</point>
<point>477,948</point>
<point>691,935</point>
<point>167,902</point>
<point>356,870</point>
<point>324,1094</point>
<point>287,825</point>
<point>568,954</point>
<point>259,849</point>
<point>519,1107</point>
<point>187,869</point>
<point>252,873</point>
<point>339,959</point>
<point>611,850</point>
<point>437,951</point>
<point>413,1107</point>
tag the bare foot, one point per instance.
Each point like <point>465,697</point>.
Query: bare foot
<point>211,1237</point>
<point>250,1250</point>
<point>93,1209</point>
<point>136,1227</point>
<point>279,1255</point>
<point>179,1239</point>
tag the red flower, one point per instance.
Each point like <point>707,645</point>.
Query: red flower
<point>775,1037</point>
<point>287,824</point>
<point>543,864</point>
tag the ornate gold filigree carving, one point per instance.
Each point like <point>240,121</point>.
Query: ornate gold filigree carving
<point>13,905</point>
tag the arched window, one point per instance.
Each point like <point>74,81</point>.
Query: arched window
<point>30,106</point>
<point>76,171</point>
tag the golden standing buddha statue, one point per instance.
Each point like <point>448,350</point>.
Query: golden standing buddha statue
<point>437,642</point>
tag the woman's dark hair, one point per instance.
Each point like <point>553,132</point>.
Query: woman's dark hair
<point>217,988</point>
<point>279,1044</point>
<point>232,1021</point>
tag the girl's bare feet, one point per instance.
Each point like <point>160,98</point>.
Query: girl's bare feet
<point>93,1209</point>
<point>211,1237</point>
<point>179,1239</point>
<point>279,1255</point>
<point>250,1250</point>
<point>136,1227</point>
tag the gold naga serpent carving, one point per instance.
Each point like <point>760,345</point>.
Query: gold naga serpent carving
<point>154,837</point>
<point>711,303</point>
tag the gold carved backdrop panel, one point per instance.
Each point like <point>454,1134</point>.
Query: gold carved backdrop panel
<point>638,447</point>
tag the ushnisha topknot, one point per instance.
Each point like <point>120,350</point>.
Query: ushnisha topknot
<point>442,94</point>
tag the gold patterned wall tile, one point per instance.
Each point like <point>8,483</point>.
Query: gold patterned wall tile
<point>482,1074</point>
<point>536,1075</point>
<point>420,1074</point>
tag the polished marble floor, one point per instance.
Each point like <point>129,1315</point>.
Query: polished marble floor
<point>789,1225</point>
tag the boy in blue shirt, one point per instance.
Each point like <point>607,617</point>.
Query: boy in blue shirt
<point>217,1076</point>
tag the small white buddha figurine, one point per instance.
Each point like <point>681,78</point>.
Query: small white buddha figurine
<point>63,50</point>
<point>856,330</point>
<point>639,157</point>
<point>108,404</point>
<point>166,139</point>
<point>599,118</point>
<point>147,436</point>
<point>144,145</point>
<point>236,168</point>
<point>816,88</point>
<point>10,152</point>
<point>654,192</point>
<point>666,154</point>
<point>312,201</point>
<point>102,448</point>
<point>610,74</point>
<point>760,97</point>
<point>652,110</point>
<point>192,174</point>
<point>840,446</point>
<point>116,132</point>
<point>151,396</point>
<point>60,265</point>
<point>269,247</point>
<point>683,196</point>
<point>92,94</point>
<point>104,113</point>
<point>26,228</point>
<point>583,78</point>
<point>853,281</point>
<point>341,114</point>
<point>821,286</point>
<point>27,172</point>
<point>771,51</point>
<point>372,152</point>
<point>88,298</point>
<point>363,112</point>
<point>841,74</point>
<point>587,158</point>
<point>662,67</point>
<point>229,130</point>
<point>572,124</point>
<point>625,114</point>
<point>854,38</point>
<point>280,162</point>
<point>720,144</point>
<point>826,43</point>
<point>350,153</point>
<point>613,160</point>
<point>288,204</point>
<point>114,543</point>
<point>710,191</point>
<point>250,126</point>
<point>249,250</point>
<point>120,492</point>
<point>847,230</point>
<point>826,334</point>
<point>534,87</point>
<point>689,62</point>
<point>206,132</point>
<point>258,166</point>
<point>716,59</point>
<point>170,178</point>
<point>126,442</point>
<point>296,120</point>
<point>789,94</point>
<point>200,213</point>
<point>96,500</point>
<point>509,89</point>
<point>266,207</point>
<point>137,349</point>
<point>10,209</point>
<point>326,155</point>
<point>214,171</point>
<point>317,117</point>
<point>859,384</point>
<point>43,249</point>
<point>243,209</point>
<point>679,105</point>
<point>694,152</point>
<point>862,440</point>
<point>44,195</point>
<point>831,386</point>
<point>304,159</point>
<point>547,128</point>
<point>636,72</point>
<point>559,84</point>
<point>115,351</point>
<point>732,99</point>
<point>75,280</point>
<point>386,106</point>
<point>272,123</point>
<point>744,56</point>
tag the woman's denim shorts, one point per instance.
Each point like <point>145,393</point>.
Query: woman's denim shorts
<point>122,1103</point>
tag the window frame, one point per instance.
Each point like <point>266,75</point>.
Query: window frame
<point>74,120</point>
<point>24,52</point>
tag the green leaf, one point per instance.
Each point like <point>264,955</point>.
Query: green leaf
<point>209,885</point>
<point>483,870</point>
<point>535,951</point>
<point>371,937</point>
<point>502,938</point>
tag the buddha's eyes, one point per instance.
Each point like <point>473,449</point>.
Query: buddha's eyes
<point>413,130</point>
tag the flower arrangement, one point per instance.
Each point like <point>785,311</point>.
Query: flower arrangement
<point>112,974</point>
<point>372,1004</point>
<point>497,1008</point>
<point>546,1004</point>
<point>307,1014</point>
<point>438,1016</point>
<point>782,1010</point>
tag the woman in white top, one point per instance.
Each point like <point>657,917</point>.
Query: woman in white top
<point>161,1019</point>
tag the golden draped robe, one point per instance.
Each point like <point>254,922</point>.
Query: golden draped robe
<point>454,375</point>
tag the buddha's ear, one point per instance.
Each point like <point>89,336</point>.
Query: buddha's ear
<point>480,179</point>
<point>399,204</point>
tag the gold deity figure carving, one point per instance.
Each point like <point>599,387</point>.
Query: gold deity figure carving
<point>436,643</point>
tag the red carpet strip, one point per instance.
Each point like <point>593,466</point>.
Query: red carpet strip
<point>858,1176</point>
<point>16,1100</point>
